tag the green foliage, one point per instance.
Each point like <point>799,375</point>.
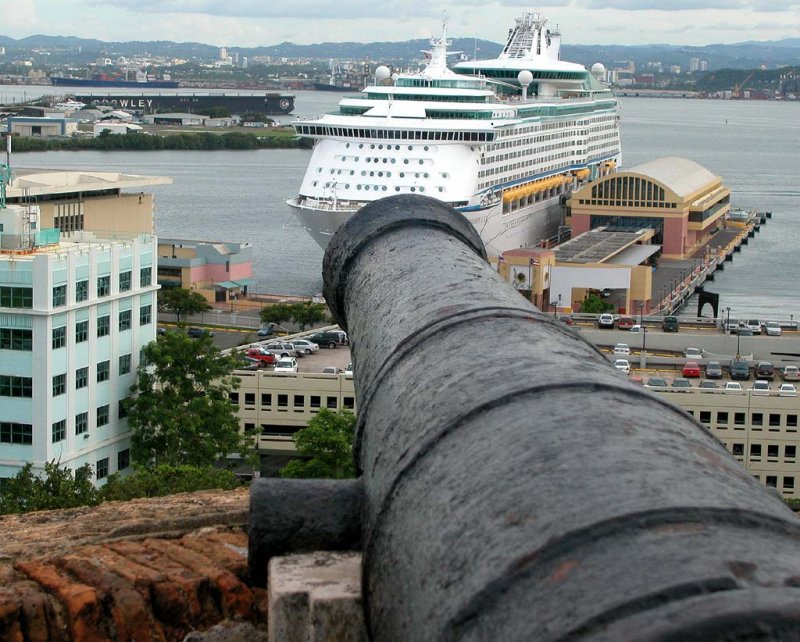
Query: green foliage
<point>196,141</point>
<point>308,313</point>
<point>57,488</point>
<point>182,302</point>
<point>593,304</point>
<point>166,480</point>
<point>276,313</point>
<point>326,446</point>
<point>179,411</point>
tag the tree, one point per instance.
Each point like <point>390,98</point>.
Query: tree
<point>276,313</point>
<point>166,480</point>
<point>182,302</point>
<point>593,304</point>
<point>307,313</point>
<point>57,488</point>
<point>180,411</point>
<point>326,446</point>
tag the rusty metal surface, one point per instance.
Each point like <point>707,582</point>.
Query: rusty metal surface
<point>515,486</point>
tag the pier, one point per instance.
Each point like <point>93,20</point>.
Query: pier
<point>674,281</point>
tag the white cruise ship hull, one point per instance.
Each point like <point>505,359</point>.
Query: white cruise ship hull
<point>500,232</point>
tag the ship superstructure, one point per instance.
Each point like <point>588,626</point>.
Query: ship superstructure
<point>501,140</point>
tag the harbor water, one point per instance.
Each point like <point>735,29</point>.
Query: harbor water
<point>239,195</point>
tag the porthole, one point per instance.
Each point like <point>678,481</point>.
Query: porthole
<point>375,187</point>
<point>444,175</point>
<point>410,147</point>
<point>384,160</point>
<point>425,174</point>
<point>347,144</point>
<point>372,173</point>
<point>361,145</point>
<point>314,184</point>
<point>441,189</point>
<point>380,146</point>
<point>363,172</point>
<point>426,148</point>
<point>394,160</point>
<point>402,174</point>
<point>319,169</point>
<point>421,189</point>
<point>380,173</point>
<point>372,146</point>
<point>421,162</point>
<point>396,189</point>
<point>413,189</point>
<point>405,161</point>
<point>352,172</point>
<point>347,186</point>
<point>383,188</point>
<point>358,186</point>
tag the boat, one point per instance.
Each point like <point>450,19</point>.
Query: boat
<point>110,81</point>
<point>504,141</point>
<point>269,103</point>
<point>70,105</point>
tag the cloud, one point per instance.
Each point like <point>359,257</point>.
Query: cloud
<point>690,5</point>
<point>309,10</point>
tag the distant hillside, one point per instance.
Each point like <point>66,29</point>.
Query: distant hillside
<point>745,55</point>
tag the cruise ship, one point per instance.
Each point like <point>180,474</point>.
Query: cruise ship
<point>504,141</point>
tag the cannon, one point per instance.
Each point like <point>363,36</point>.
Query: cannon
<point>511,484</point>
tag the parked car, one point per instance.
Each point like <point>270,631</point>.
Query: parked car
<point>161,331</point>
<point>681,383</point>
<point>623,365</point>
<point>787,390</point>
<point>731,325</point>
<point>670,324</point>
<point>713,370</point>
<point>636,328</point>
<point>288,364</point>
<point>740,370</point>
<point>656,382</point>
<point>626,323</point>
<point>760,387</point>
<point>754,325</point>
<point>733,386</point>
<point>261,355</point>
<point>196,333</point>
<point>791,373</point>
<point>326,339</point>
<point>348,369</point>
<point>622,349</point>
<point>331,370</point>
<point>304,346</point>
<point>605,321</point>
<point>744,330</point>
<point>565,318</point>
<point>707,384</point>
<point>280,348</point>
<point>693,353</point>
<point>265,330</point>
<point>765,370</point>
<point>772,329</point>
<point>691,369</point>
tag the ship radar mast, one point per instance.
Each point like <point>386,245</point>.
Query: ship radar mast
<point>437,54</point>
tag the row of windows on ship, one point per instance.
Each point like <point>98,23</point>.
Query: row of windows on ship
<point>351,132</point>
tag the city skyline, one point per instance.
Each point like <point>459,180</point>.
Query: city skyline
<point>249,23</point>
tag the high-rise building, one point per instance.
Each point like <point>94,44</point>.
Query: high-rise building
<point>77,304</point>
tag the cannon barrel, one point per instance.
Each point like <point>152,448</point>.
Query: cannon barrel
<point>514,485</point>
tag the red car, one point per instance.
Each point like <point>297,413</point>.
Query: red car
<point>626,323</point>
<point>264,357</point>
<point>691,369</point>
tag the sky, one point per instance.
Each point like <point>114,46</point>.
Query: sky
<point>252,23</point>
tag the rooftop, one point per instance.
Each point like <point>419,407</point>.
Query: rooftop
<point>681,175</point>
<point>598,246</point>
<point>38,182</point>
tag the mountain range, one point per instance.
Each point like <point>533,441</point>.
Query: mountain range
<point>744,55</point>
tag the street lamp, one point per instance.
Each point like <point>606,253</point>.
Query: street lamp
<point>643,355</point>
<point>556,305</point>
<point>728,322</point>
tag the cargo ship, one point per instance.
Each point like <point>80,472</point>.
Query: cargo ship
<point>111,81</point>
<point>239,102</point>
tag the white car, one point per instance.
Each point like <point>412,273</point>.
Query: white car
<point>288,364</point>
<point>623,365</point>
<point>734,386</point>
<point>622,348</point>
<point>693,353</point>
<point>791,373</point>
<point>760,387</point>
<point>304,346</point>
<point>772,328</point>
<point>636,328</point>
<point>787,390</point>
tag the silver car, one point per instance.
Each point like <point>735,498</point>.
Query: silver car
<point>280,348</point>
<point>303,346</point>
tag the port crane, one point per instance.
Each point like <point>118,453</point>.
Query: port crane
<point>737,90</point>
